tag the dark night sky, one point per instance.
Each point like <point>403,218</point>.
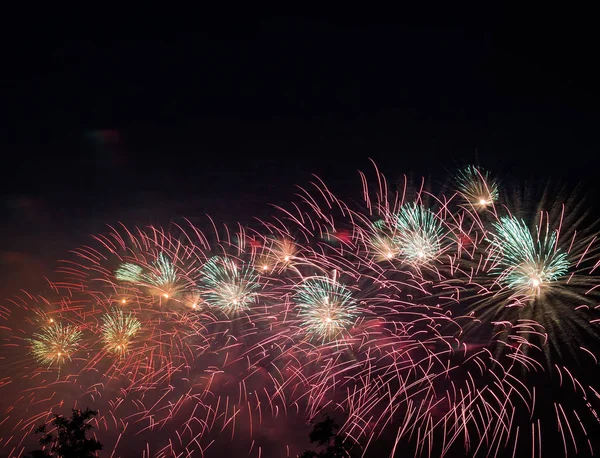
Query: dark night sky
<point>323,95</point>
<point>110,125</point>
<point>226,114</point>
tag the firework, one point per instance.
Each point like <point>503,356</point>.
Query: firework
<point>118,331</point>
<point>283,251</point>
<point>476,187</point>
<point>384,247</point>
<point>55,344</point>
<point>321,309</point>
<point>129,273</point>
<point>525,263</point>
<point>419,234</point>
<point>160,277</point>
<point>227,286</point>
<point>381,242</point>
<point>325,306</point>
<point>543,296</point>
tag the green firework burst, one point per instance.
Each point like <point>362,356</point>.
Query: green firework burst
<point>129,273</point>
<point>162,273</point>
<point>525,262</point>
<point>326,307</point>
<point>161,276</point>
<point>228,286</point>
<point>419,234</point>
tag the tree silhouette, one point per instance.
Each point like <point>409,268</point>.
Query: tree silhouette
<point>334,445</point>
<point>68,440</point>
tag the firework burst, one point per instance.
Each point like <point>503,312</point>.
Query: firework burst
<point>326,307</point>
<point>227,286</point>
<point>55,344</point>
<point>118,331</point>
<point>476,187</point>
<point>543,294</point>
<point>160,278</point>
<point>526,263</point>
<point>419,234</point>
<point>384,247</point>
